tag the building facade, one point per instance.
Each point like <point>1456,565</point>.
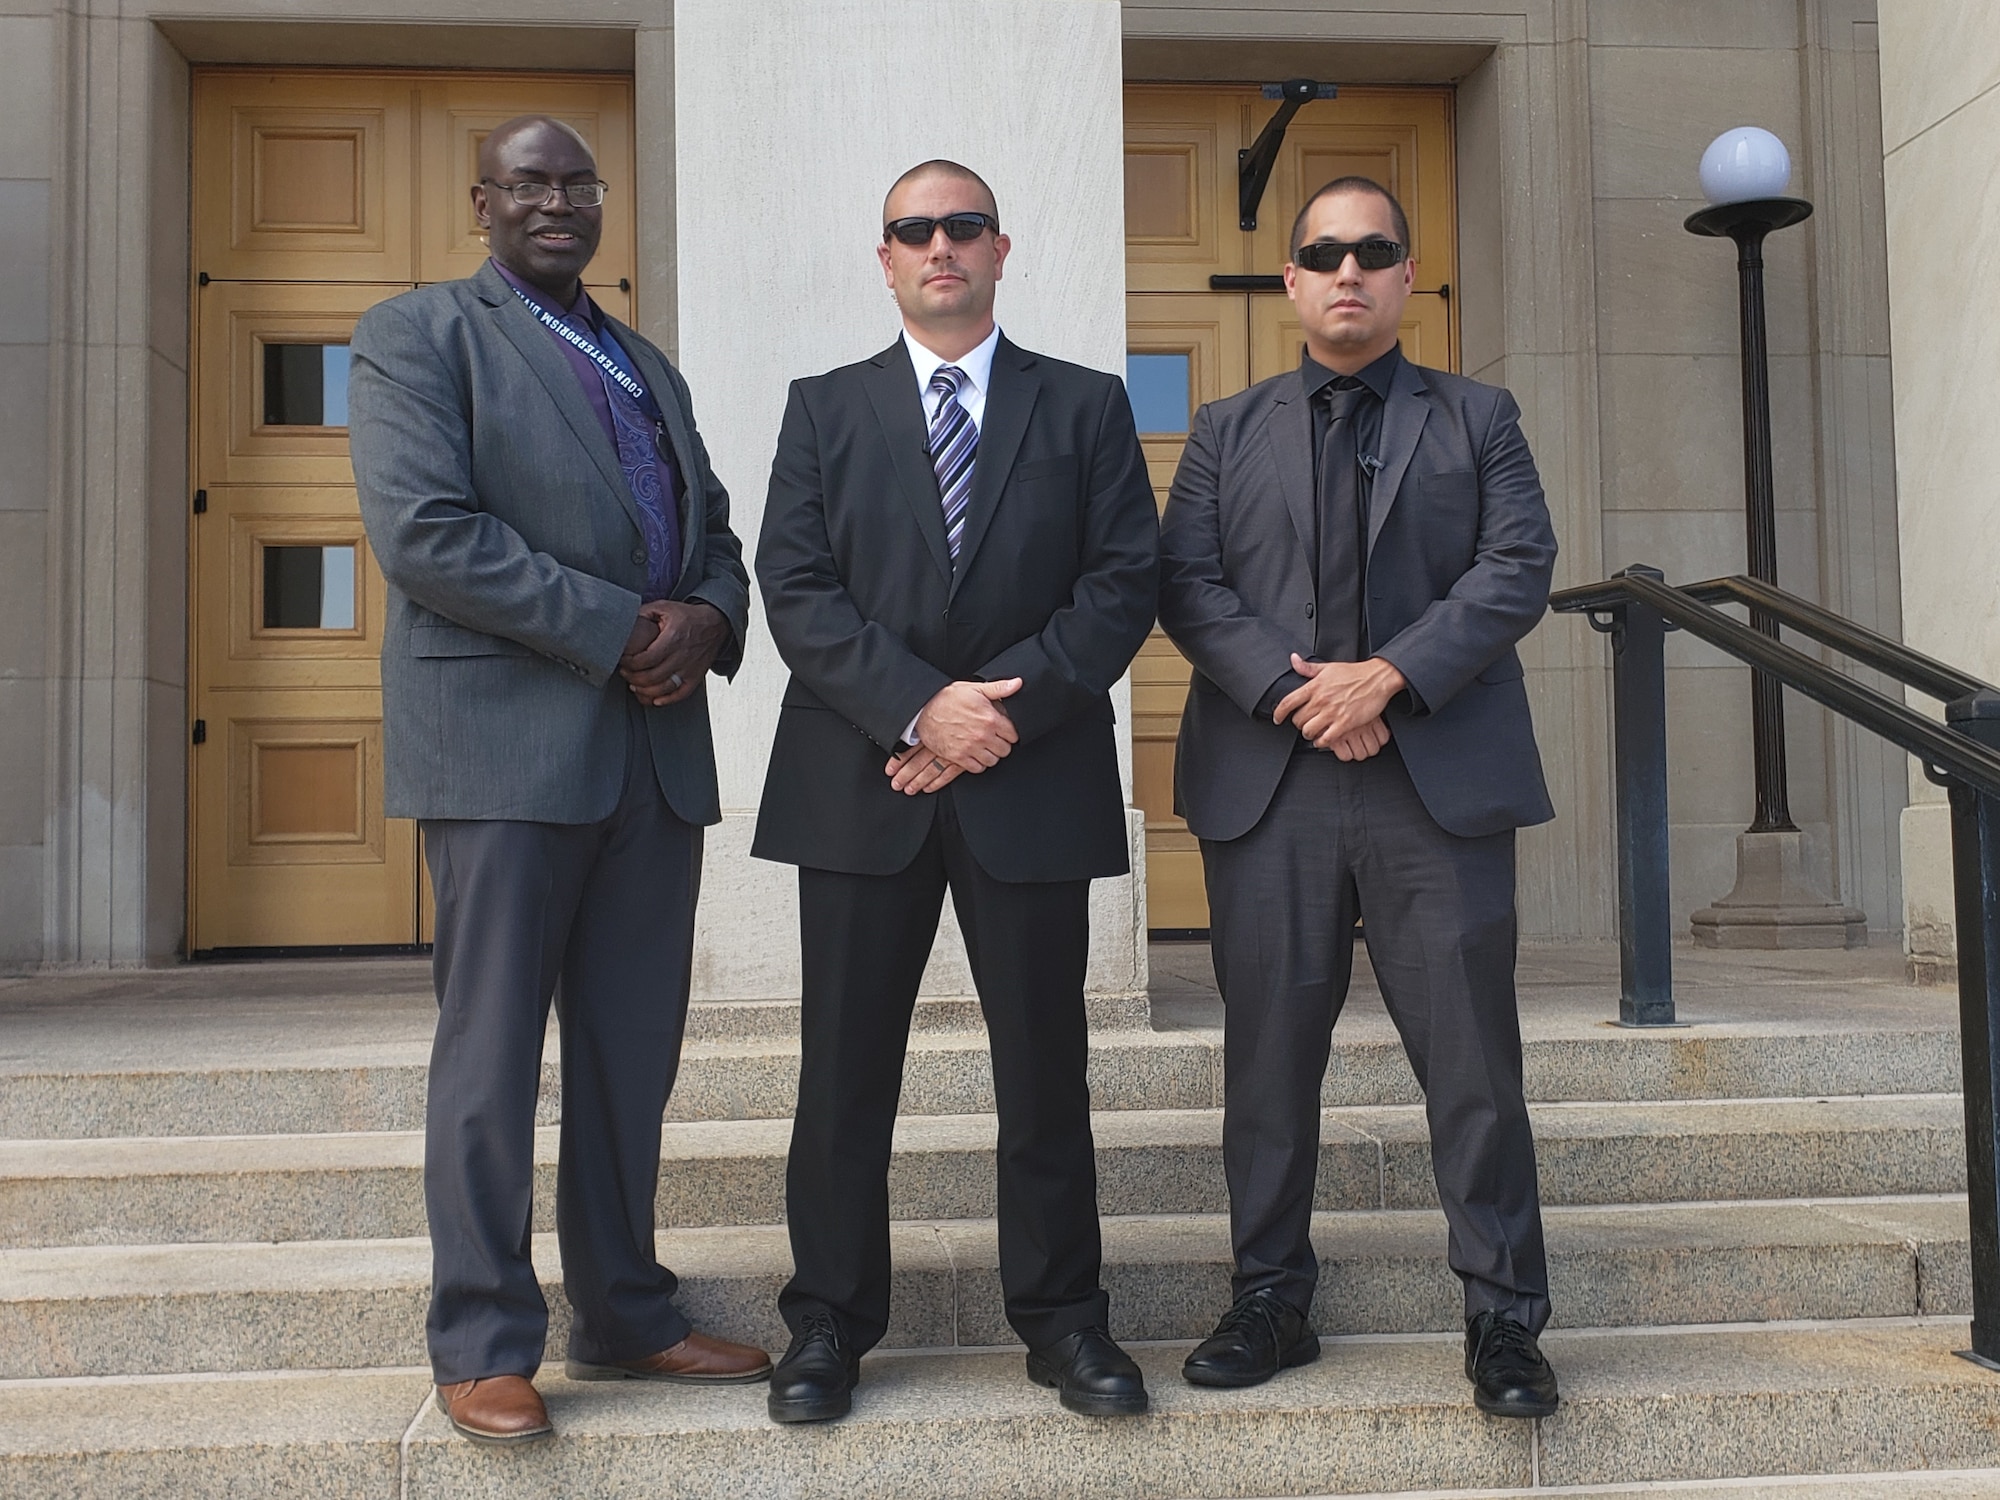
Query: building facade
<point>759,140</point>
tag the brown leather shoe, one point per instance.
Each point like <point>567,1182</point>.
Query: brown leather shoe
<point>695,1360</point>
<point>499,1409</point>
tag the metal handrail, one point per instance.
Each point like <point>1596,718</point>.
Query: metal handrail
<point>1890,657</point>
<point>1942,752</point>
<point>1636,609</point>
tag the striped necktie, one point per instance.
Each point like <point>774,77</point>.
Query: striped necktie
<point>954,444</point>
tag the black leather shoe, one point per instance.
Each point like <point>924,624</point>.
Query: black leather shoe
<point>815,1380</point>
<point>1505,1365</point>
<point>1260,1335</point>
<point>1090,1374</point>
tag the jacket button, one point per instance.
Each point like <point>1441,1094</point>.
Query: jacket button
<point>1309,611</point>
<point>639,556</point>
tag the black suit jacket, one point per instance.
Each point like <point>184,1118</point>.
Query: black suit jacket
<point>1460,555</point>
<point>1056,583</point>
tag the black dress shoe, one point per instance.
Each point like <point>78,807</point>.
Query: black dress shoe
<point>1260,1335</point>
<point>1090,1374</point>
<point>815,1380</point>
<point>1505,1365</point>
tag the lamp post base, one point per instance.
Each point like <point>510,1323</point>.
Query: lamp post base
<point>1775,903</point>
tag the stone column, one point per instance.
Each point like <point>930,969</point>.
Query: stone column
<point>792,117</point>
<point>1941,169</point>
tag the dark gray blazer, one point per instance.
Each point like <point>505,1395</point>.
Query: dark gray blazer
<point>1056,581</point>
<point>497,511</point>
<point>1460,555</point>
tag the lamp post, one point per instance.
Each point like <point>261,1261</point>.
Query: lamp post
<point>1744,174</point>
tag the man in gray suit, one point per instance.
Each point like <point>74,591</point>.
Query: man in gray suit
<point>1350,553</point>
<point>562,579</point>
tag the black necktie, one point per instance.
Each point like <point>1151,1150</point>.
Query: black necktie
<point>1339,633</point>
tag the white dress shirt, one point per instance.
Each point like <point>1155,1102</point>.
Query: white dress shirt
<point>978,369</point>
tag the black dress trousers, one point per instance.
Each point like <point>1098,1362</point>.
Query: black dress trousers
<point>865,941</point>
<point>1348,837</point>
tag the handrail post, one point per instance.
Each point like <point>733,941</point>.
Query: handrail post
<point>1639,761</point>
<point>1975,862</point>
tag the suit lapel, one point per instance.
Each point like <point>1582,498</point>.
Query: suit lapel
<point>1010,400</point>
<point>891,382</point>
<point>1403,418</point>
<point>525,332</point>
<point>680,435</point>
<point>1289,431</point>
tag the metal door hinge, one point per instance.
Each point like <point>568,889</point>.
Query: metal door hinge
<point>200,735</point>
<point>201,502</point>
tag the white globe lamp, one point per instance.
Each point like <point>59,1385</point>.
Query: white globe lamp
<point>1744,164</point>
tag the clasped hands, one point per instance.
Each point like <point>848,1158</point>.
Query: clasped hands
<point>671,648</point>
<point>963,729</point>
<point>1339,706</point>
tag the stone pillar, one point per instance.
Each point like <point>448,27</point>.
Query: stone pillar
<point>1941,170</point>
<point>27,114</point>
<point>792,117</point>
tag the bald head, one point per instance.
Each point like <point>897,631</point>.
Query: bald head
<point>979,197</point>
<point>494,150</point>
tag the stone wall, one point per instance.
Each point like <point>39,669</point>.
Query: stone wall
<point>1941,141</point>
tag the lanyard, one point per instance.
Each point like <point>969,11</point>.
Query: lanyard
<point>626,382</point>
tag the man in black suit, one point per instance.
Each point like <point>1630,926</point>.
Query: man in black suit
<point>959,558</point>
<point>1351,551</point>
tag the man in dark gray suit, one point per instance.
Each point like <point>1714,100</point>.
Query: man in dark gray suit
<point>958,560</point>
<point>562,579</point>
<point>1350,553</point>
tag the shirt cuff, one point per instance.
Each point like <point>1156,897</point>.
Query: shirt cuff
<point>1277,692</point>
<point>910,734</point>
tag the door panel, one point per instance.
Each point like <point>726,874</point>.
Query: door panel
<point>264,418</point>
<point>291,847</point>
<point>1180,187</point>
<point>1188,343</point>
<point>303,177</point>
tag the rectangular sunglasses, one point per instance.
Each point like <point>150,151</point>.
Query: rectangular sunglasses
<point>959,227</point>
<point>1327,255</point>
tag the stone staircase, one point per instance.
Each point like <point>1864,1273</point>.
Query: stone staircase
<point>213,1270</point>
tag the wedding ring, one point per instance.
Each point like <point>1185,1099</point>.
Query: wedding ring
<point>936,764</point>
<point>675,681</point>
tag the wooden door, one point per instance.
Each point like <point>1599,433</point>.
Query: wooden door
<point>1190,342</point>
<point>316,195</point>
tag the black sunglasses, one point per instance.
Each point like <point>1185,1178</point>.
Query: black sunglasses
<point>1329,255</point>
<point>959,227</point>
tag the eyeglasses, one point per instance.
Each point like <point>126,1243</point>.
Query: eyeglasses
<point>957,227</point>
<point>1330,255</point>
<point>541,194</point>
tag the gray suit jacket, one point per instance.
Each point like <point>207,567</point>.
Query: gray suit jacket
<point>497,511</point>
<point>1460,555</point>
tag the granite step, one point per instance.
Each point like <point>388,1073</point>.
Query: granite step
<point>166,1309</point>
<point>1960,1484</point>
<point>249,1088</point>
<point>1375,1415</point>
<point>162,1190</point>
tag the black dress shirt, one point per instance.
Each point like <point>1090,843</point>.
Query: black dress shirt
<point>1374,380</point>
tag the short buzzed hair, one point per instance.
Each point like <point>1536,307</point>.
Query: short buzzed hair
<point>939,167</point>
<point>1354,184</point>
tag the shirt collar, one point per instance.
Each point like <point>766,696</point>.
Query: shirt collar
<point>1378,374</point>
<point>977,365</point>
<point>583,310</point>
